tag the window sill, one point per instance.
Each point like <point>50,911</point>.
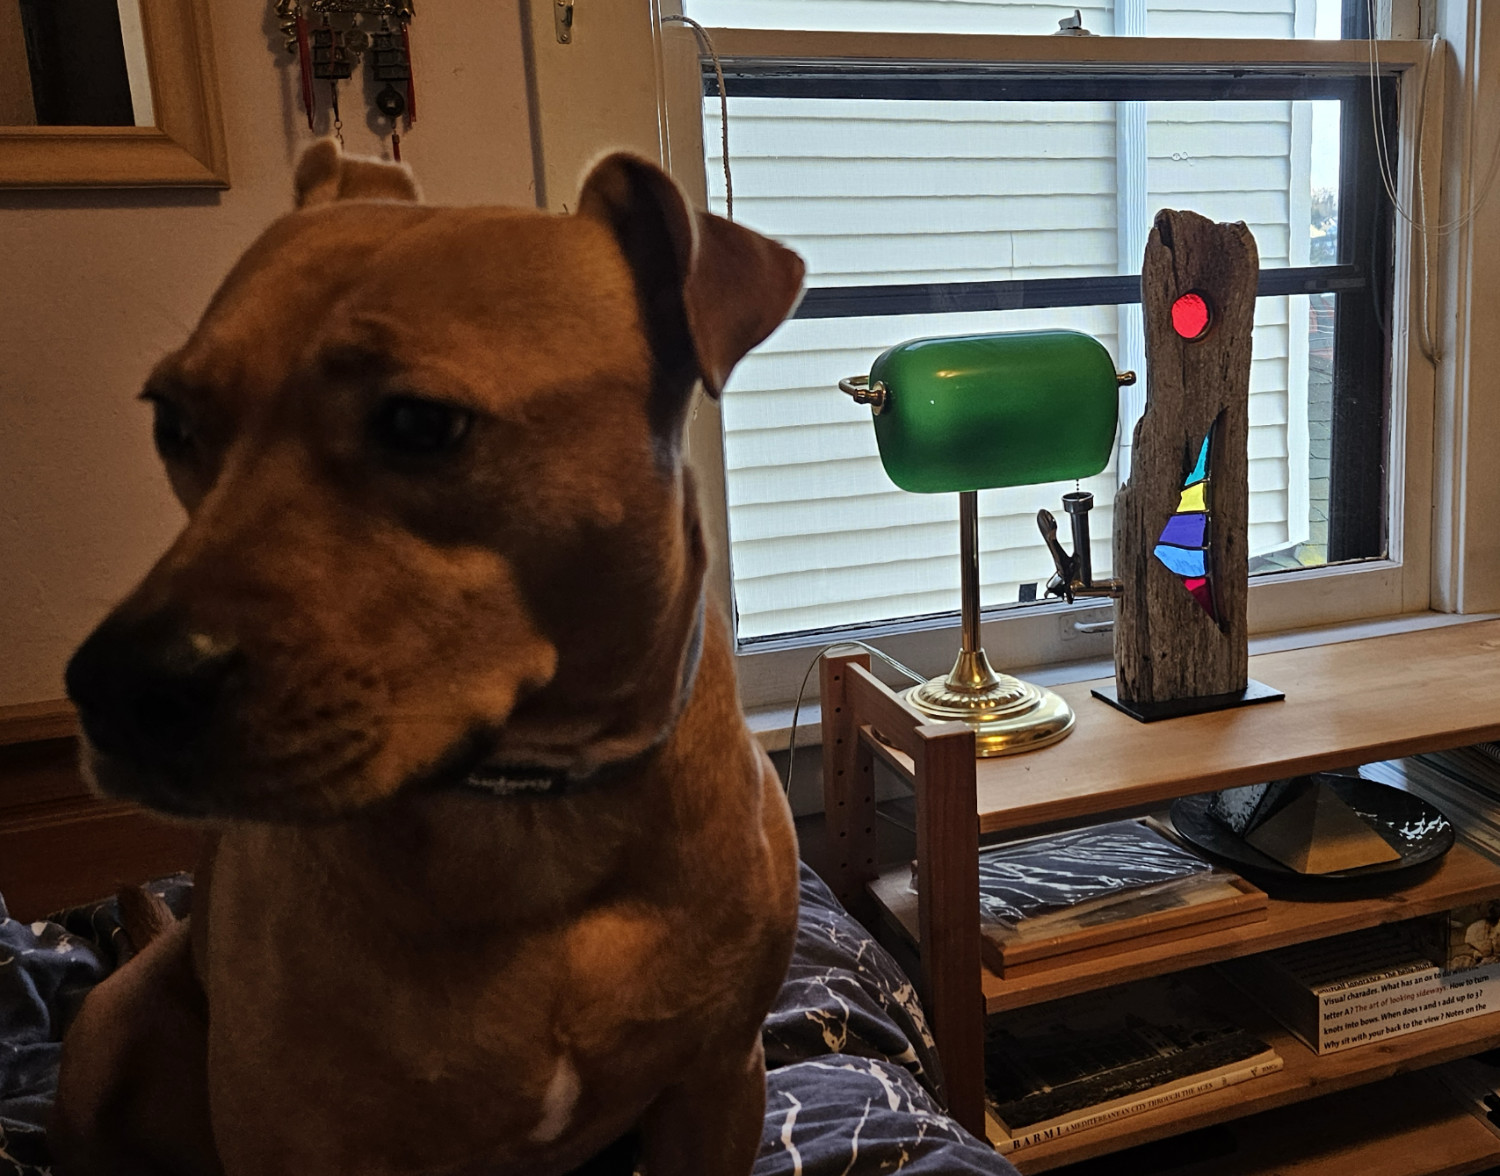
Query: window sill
<point>772,725</point>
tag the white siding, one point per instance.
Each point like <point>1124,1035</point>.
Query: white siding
<point>924,191</point>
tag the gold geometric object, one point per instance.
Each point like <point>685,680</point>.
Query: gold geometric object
<point>1008,715</point>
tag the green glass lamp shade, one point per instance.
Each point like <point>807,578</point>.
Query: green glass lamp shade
<point>979,411</point>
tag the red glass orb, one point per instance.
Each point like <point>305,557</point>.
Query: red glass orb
<point>1191,316</point>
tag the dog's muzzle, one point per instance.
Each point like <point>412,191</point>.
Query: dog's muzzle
<point>151,692</point>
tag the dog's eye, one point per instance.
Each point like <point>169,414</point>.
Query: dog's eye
<point>413,427</point>
<point>170,429</point>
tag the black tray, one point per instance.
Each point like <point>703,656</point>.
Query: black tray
<point>1412,827</point>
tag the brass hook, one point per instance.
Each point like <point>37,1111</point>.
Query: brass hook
<point>878,397</point>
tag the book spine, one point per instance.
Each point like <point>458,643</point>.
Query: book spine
<point>1148,1100</point>
<point>1294,1005</point>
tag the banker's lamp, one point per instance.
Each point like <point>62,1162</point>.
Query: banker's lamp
<point>978,412</point>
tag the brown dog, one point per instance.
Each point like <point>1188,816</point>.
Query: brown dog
<point>499,871</point>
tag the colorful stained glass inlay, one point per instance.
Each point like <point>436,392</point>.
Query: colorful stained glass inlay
<point>1185,530</point>
<point>1194,498</point>
<point>1184,544</point>
<point>1183,561</point>
<point>1203,593</point>
<point>1191,316</point>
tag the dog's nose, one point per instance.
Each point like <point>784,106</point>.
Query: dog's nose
<point>149,690</point>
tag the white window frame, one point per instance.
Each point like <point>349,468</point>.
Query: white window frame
<point>626,80</point>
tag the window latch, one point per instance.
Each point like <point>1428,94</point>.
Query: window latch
<point>562,21</point>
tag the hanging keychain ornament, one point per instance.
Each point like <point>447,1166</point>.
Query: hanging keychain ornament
<point>334,48</point>
<point>391,104</point>
<point>293,23</point>
<point>332,64</point>
<point>392,64</point>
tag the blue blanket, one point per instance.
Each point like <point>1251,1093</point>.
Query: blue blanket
<point>853,1087</point>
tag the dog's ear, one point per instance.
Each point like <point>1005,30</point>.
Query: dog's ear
<point>326,174</point>
<point>711,289</point>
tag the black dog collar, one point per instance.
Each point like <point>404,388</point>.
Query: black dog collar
<point>497,779</point>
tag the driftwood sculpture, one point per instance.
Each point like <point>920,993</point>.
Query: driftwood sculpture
<point>1181,522</point>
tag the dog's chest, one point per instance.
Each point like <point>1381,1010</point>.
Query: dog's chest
<point>322,1009</point>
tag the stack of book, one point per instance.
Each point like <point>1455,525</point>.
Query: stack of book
<point>1066,1066</point>
<point>1088,893</point>
<point>1366,986</point>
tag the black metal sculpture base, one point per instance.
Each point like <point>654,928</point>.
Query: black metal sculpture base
<point>1176,708</point>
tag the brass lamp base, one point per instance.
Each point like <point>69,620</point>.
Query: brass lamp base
<point>1008,715</point>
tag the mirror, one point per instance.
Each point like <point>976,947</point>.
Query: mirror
<point>74,63</point>
<point>108,93</point>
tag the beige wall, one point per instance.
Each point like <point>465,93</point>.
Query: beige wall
<point>95,286</point>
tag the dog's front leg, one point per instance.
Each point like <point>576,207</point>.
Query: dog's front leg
<point>709,1124</point>
<point>132,1095</point>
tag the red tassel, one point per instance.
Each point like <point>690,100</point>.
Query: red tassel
<point>304,60</point>
<point>411,78</point>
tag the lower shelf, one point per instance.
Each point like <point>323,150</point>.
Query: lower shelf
<point>1304,1076</point>
<point>1405,1126</point>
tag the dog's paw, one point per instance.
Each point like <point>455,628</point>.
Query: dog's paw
<point>144,916</point>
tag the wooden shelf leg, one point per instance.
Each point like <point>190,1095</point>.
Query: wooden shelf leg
<point>848,790</point>
<point>948,912</point>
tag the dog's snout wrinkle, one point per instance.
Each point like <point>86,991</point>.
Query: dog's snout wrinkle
<point>150,690</point>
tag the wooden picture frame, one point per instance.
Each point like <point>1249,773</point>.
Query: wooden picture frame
<point>185,149</point>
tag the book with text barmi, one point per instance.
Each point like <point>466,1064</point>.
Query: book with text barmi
<point>1073,1064</point>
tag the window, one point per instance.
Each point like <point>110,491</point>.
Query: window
<point>1269,94</point>
<point>1035,193</point>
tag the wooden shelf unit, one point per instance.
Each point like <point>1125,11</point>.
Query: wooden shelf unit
<point>1304,1075</point>
<point>1404,1126</point>
<point>1347,703</point>
<point>1462,877</point>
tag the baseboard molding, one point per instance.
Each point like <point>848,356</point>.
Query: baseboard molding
<point>30,722</point>
<point>61,845</point>
<point>71,854</point>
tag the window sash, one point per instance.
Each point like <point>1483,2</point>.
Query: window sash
<point>820,302</point>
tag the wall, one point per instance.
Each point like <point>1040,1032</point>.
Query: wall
<point>95,286</point>
<point>1468,476</point>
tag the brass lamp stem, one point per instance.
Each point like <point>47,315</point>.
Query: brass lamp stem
<point>1007,715</point>
<point>968,554</point>
<point>971,673</point>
